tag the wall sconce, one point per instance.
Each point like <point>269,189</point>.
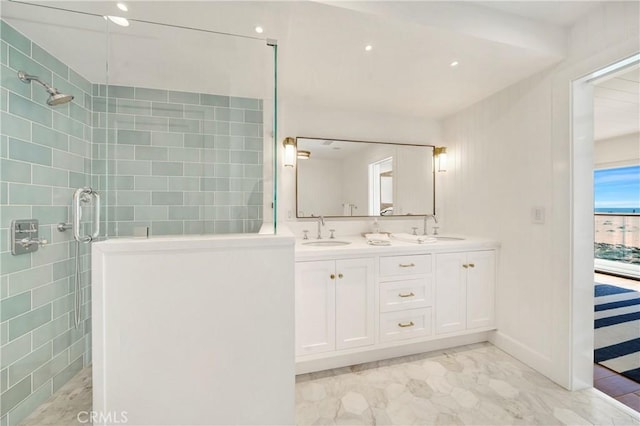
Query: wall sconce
<point>290,150</point>
<point>304,155</point>
<point>440,154</point>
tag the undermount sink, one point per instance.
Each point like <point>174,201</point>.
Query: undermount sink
<point>449,238</point>
<point>326,243</point>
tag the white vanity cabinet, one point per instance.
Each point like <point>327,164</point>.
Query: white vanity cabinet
<point>363,303</point>
<point>465,290</point>
<point>405,297</point>
<point>334,305</point>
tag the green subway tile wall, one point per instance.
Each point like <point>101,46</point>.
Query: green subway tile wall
<point>46,155</point>
<point>166,162</point>
<point>175,155</point>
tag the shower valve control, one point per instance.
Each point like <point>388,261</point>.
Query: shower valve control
<point>26,242</point>
<point>24,236</point>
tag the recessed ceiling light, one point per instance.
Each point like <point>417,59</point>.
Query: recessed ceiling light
<point>118,20</point>
<point>123,7</point>
<point>259,29</point>
<point>454,64</point>
<point>368,47</point>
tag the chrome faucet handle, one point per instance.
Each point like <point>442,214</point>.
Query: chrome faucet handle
<point>332,231</point>
<point>306,232</point>
<point>427,216</point>
<point>415,230</point>
<point>28,242</point>
<point>435,230</point>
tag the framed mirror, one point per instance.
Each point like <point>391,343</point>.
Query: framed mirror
<point>346,178</point>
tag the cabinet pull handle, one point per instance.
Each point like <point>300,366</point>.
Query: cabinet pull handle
<point>406,295</point>
<point>340,275</point>
<point>472,265</point>
<point>409,324</point>
<point>407,265</point>
<point>332,276</point>
<point>465,266</point>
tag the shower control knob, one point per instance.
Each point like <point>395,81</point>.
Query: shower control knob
<point>27,242</point>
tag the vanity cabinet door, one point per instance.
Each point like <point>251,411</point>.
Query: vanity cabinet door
<point>315,307</point>
<point>481,278</point>
<point>465,290</point>
<point>355,302</point>
<point>450,292</point>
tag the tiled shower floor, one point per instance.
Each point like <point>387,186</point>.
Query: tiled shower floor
<point>476,384</point>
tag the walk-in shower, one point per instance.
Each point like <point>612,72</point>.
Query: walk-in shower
<point>168,156</point>
<point>55,97</point>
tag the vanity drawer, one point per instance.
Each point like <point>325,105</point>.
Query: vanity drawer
<point>405,324</point>
<point>406,294</point>
<point>405,265</point>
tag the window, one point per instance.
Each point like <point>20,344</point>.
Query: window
<point>617,220</point>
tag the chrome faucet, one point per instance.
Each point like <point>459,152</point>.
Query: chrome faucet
<point>427,216</point>
<point>320,224</point>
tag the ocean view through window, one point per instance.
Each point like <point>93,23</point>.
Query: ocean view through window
<point>617,220</point>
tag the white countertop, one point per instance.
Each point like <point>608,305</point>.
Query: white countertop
<point>358,246</point>
<point>192,242</point>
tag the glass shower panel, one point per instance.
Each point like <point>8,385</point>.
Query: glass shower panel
<point>187,117</point>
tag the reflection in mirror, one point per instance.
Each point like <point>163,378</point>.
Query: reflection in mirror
<point>339,178</point>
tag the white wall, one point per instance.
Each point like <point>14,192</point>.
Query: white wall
<point>216,317</point>
<point>513,152</point>
<point>413,181</point>
<point>322,189</point>
<point>619,151</point>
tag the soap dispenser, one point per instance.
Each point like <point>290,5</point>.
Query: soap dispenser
<point>376,226</point>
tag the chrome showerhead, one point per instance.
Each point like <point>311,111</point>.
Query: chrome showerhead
<point>59,99</point>
<point>55,98</point>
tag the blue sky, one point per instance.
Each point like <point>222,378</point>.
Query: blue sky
<point>617,188</point>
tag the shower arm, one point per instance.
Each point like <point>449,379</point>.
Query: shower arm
<point>28,78</point>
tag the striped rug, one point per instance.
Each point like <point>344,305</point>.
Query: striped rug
<point>617,330</point>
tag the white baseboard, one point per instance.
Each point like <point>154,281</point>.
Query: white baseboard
<point>361,355</point>
<point>533,359</point>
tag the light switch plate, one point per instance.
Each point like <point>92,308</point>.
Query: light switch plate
<point>538,215</point>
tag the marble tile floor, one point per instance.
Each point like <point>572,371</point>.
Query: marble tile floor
<point>63,407</point>
<point>475,384</point>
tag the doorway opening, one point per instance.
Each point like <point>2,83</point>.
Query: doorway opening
<point>606,221</point>
<point>381,187</point>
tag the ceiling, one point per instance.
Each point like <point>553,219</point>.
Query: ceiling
<point>617,105</point>
<point>563,13</point>
<point>321,55</point>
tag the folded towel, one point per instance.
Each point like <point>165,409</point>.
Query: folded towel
<point>418,239</point>
<point>378,239</point>
<point>379,242</point>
